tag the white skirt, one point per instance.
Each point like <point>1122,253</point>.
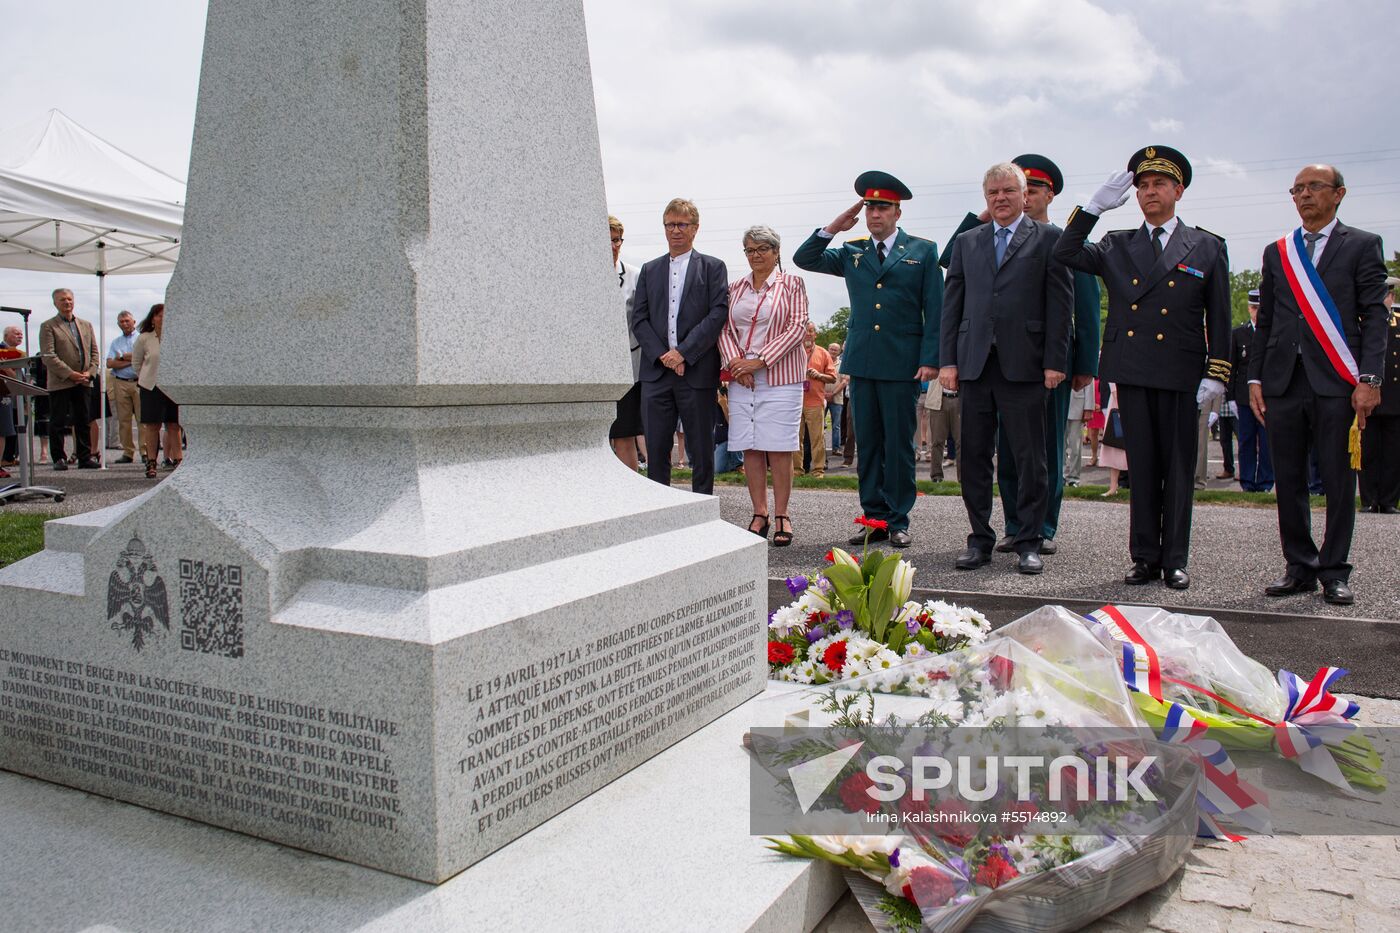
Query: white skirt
<point>764,417</point>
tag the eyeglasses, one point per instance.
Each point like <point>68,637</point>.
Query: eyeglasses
<point>677,225</point>
<point>1314,186</point>
<point>617,240</point>
<point>757,250</point>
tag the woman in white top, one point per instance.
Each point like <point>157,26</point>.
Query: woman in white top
<point>626,431</point>
<point>156,407</point>
<point>762,345</point>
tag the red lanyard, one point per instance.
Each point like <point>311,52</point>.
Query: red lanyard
<point>753,324</point>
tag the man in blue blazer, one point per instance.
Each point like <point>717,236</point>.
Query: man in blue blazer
<point>1005,344</point>
<point>680,306</point>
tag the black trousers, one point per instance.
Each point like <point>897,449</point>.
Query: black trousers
<point>663,402</point>
<point>69,408</point>
<point>1227,442</point>
<point>1380,461</point>
<point>1159,439</point>
<point>1020,408</point>
<point>1296,420</point>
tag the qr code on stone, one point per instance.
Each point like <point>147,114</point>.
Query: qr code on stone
<point>211,608</point>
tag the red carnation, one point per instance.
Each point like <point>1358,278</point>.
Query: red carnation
<point>834,656</point>
<point>995,872</point>
<point>877,523</point>
<point>955,826</point>
<point>780,652</point>
<point>830,557</point>
<point>1001,670</point>
<point>929,887</point>
<point>855,793</point>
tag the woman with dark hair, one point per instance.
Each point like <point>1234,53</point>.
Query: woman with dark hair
<point>156,407</point>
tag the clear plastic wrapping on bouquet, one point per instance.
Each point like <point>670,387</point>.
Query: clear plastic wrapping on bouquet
<point>1193,652</point>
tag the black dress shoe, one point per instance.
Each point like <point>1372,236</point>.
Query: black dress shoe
<point>876,534</point>
<point>60,466</point>
<point>1176,578</point>
<point>1389,510</point>
<point>971,559</point>
<point>900,538</point>
<point>1289,586</point>
<point>1337,593</point>
<point>1006,545</point>
<point>89,464</point>
<point>1141,573</point>
<point>1047,546</point>
<point>1029,562</point>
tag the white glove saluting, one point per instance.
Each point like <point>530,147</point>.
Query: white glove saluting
<point>1113,193</point>
<point>1209,391</point>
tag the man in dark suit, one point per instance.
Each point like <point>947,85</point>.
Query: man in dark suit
<point>1256,469</point>
<point>1166,344</point>
<point>680,306</point>
<point>1380,442</point>
<point>896,291</point>
<point>1007,307</point>
<point>1318,360</point>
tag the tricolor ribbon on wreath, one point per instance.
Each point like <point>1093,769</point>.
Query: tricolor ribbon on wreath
<point>1223,793</point>
<point>1313,720</point>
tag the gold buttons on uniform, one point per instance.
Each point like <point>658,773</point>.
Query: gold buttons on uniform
<point>1134,307</point>
<point>1130,333</point>
<point>877,306</point>
<point>1171,283</point>
<point>877,326</point>
<point>1134,281</point>
<point>1164,310</point>
<point>879,284</point>
<point>1159,336</point>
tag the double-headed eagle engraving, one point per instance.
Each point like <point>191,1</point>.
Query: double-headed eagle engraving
<point>136,597</point>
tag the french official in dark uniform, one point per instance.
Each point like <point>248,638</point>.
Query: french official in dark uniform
<point>1166,344</point>
<point>1005,344</point>
<point>1380,442</point>
<point>1317,362</point>
<point>1256,467</point>
<point>896,291</point>
<point>1044,181</point>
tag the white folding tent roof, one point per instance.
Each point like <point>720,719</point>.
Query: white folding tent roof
<point>72,202</point>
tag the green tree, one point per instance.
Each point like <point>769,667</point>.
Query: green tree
<point>834,330</point>
<point>1392,266</point>
<point>1240,285</point>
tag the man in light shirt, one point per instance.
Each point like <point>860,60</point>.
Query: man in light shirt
<point>121,383</point>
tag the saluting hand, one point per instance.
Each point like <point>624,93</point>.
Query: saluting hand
<point>845,220</point>
<point>1113,193</point>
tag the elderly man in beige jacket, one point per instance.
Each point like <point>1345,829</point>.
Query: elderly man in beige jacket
<point>71,357</point>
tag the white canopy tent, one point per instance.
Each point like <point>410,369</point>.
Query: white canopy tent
<point>72,202</point>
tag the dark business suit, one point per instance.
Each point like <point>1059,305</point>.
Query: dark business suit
<point>1308,402</point>
<point>1003,326</point>
<point>1380,442</point>
<point>1256,467</point>
<point>1168,327</point>
<point>704,309</point>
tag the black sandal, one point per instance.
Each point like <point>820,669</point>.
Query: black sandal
<point>763,531</point>
<point>782,538</point>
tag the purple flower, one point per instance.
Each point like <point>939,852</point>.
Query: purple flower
<point>845,618</point>
<point>796,585</point>
<point>823,586</point>
<point>912,625</point>
<point>815,633</point>
<point>894,858</point>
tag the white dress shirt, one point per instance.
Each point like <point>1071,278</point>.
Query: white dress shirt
<point>1322,241</point>
<point>1168,229</point>
<point>679,265</point>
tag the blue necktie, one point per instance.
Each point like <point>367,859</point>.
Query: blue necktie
<point>1003,237</point>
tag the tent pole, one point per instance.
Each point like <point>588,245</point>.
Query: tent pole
<point>101,354</point>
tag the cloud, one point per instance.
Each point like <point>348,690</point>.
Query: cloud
<point>1165,125</point>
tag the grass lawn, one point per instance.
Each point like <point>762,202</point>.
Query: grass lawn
<point>1256,500</point>
<point>20,536</point>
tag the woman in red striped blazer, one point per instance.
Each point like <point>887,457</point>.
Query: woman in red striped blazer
<point>762,344</point>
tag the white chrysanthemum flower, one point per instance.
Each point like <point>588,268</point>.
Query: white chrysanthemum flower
<point>811,601</point>
<point>786,620</point>
<point>883,659</point>
<point>914,650</point>
<point>803,673</point>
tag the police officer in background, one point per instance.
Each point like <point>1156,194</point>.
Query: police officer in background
<point>1166,344</point>
<point>896,291</point>
<point>1256,469</point>
<point>1380,442</point>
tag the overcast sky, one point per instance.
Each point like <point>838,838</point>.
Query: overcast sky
<point>767,115</point>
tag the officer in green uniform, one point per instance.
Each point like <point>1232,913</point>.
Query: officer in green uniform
<point>896,292</point>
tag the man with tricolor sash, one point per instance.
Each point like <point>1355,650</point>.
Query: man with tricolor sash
<point>1166,344</point>
<point>1315,368</point>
